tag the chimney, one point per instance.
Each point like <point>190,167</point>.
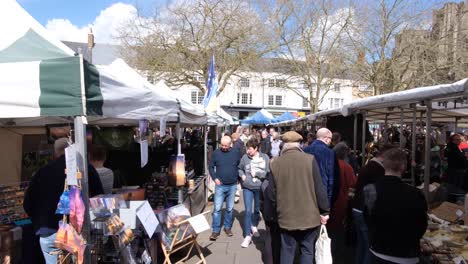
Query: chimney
<point>90,39</point>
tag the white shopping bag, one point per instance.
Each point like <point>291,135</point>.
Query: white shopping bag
<point>323,247</point>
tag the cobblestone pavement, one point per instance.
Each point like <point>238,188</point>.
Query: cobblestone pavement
<point>228,250</point>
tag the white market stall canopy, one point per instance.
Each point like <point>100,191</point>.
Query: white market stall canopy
<point>448,103</point>
<point>41,77</point>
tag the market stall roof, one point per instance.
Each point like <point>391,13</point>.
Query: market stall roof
<point>261,117</point>
<point>413,96</point>
<point>226,116</point>
<point>190,113</point>
<point>286,116</point>
<point>57,83</point>
<point>330,112</point>
<point>169,106</point>
<point>21,32</point>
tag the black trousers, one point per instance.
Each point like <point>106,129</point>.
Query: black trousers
<point>272,243</point>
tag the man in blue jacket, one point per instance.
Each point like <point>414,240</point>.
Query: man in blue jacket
<point>224,172</point>
<point>326,161</point>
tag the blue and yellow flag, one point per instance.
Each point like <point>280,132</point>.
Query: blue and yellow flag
<point>209,101</point>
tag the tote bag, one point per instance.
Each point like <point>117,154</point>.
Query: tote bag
<point>323,247</point>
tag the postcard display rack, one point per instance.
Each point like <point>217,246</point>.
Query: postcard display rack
<point>12,217</point>
<point>11,203</point>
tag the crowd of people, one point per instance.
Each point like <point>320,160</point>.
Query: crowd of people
<point>296,183</point>
<point>299,183</point>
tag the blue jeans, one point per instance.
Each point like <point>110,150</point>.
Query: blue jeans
<point>306,240</point>
<point>249,218</point>
<point>47,246</point>
<point>222,192</point>
<point>363,255</point>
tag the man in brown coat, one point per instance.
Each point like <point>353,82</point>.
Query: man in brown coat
<point>301,199</point>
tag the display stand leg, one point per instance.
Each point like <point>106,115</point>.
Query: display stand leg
<point>180,195</point>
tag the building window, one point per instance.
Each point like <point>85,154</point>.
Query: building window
<point>337,103</point>
<point>280,83</point>
<point>337,87</point>
<point>305,102</point>
<point>271,100</point>
<point>244,98</point>
<point>330,100</point>
<point>271,82</point>
<point>196,97</point>
<point>244,82</point>
<point>279,100</point>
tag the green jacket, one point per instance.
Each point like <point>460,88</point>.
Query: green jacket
<point>300,195</point>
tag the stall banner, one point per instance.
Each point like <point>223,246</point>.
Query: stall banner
<point>143,134</point>
<point>70,161</point>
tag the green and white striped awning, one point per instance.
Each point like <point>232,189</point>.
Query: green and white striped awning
<point>40,76</point>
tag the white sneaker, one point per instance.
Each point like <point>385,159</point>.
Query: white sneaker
<point>246,242</point>
<point>254,231</point>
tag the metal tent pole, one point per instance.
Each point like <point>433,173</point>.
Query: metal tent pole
<point>363,143</point>
<point>401,128</point>
<point>427,158</point>
<point>385,129</point>
<point>82,164</point>
<point>180,191</point>
<point>355,133</point>
<point>413,145</point>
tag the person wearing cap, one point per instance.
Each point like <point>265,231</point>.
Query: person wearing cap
<point>43,194</point>
<point>300,199</point>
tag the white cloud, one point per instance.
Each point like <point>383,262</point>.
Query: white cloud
<point>105,26</point>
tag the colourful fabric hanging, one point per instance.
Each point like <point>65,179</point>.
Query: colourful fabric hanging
<point>63,206</point>
<point>77,209</point>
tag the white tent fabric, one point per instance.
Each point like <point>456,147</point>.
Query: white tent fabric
<point>226,116</point>
<point>161,98</point>
<point>16,22</point>
<point>120,82</point>
<point>35,64</point>
<point>190,113</point>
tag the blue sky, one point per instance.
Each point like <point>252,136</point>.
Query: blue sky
<point>70,19</point>
<point>79,12</point>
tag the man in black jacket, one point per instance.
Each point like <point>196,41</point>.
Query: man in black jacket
<point>396,214</point>
<point>373,171</point>
<point>43,194</point>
